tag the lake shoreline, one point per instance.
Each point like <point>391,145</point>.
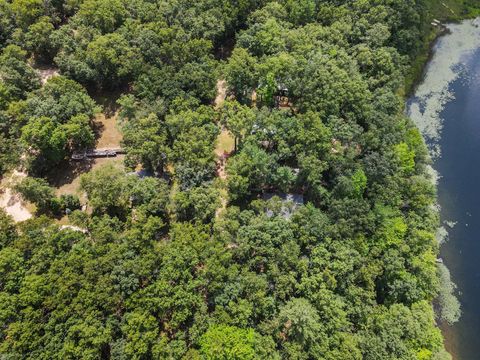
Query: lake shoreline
<point>418,75</point>
<point>418,65</point>
<point>436,106</point>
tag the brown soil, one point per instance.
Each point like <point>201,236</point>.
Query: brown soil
<point>11,202</point>
<point>224,147</point>
<point>46,72</point>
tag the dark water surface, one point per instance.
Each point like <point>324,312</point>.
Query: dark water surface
<point>459,197</point>
<point>450,96</point>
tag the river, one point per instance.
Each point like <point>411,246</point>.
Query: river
<point>446,108</point>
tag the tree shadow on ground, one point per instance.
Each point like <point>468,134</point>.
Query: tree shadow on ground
<point>67,172</point>
<point>107,99</point>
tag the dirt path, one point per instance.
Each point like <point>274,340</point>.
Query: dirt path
<point>11,202</point>
<point>223,204</point>
<point>224,147</point>
<point>221,93</point>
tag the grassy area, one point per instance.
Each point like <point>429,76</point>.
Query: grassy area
<point>107,129</point>
<point>454,10</point>
<point>109,135</point>
<point>225,143</point>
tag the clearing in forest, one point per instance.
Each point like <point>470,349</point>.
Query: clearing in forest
<point>67,179</point>
<point>106,123</point>
<point>108,132</point>
<point>108,136</point>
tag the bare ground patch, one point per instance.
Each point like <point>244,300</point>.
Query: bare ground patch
<point>11,202</point>
<point>46,72</point>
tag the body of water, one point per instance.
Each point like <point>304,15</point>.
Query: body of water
<point>446,108</point>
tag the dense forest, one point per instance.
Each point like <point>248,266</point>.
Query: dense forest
<point>187,264</point>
